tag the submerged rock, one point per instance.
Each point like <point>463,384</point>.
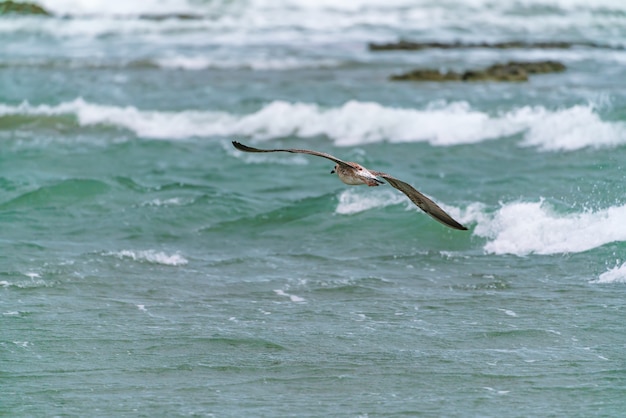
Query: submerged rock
<point>12,7</point>
<point>513,71</point>
<point>417,46</point>
<point>427,75</point>
<point>534,67</point>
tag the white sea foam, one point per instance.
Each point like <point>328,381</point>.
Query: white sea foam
<point>152,256</point>
<point>523,228</point>
<point>293,298</point>
<point>149,124</point>
<point>353,201</point>
<point>568,129</point>
<point>246,62</point>
<point>355,123</point>
<point>508,312</point>
<point>115,7</point>
<point>175,201</point>
<point>615,275</point>
<point>26,284</point>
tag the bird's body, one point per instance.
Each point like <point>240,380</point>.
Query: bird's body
<point>355,174</point>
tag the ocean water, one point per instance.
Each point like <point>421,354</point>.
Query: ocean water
<point>147,268</point>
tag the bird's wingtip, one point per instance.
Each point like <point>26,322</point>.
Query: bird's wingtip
<point>239,146</point>
<point>453,224</point>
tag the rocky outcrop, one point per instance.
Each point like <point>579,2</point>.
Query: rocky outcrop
<point>12,7</point>
<point>418,46</point>
<point>510,72</point>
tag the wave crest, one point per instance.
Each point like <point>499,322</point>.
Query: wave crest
<point>523,228</point>
<point>352,201</point>
<point>354,123</point>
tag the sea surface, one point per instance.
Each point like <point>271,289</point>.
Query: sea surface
<point>147,268</point>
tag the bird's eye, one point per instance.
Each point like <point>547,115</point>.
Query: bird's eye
<point>360,168</point>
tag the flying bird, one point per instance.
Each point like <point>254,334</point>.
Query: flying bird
<point>355,174</point>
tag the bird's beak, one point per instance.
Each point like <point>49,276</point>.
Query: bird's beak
<point>332,172</point>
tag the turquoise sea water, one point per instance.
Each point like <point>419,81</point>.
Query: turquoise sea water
<point>147,268</point>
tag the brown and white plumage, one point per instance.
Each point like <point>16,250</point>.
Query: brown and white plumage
<point>354,174</point>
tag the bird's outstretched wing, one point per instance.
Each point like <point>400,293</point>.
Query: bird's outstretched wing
<point>416,197</point>
<point>245,148</point>
<point>421,201</point>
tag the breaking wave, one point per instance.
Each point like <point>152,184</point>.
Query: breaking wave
<point>352,201</point>
<point>523,228</point>
<point>518,228</point>
<point>354,123</point>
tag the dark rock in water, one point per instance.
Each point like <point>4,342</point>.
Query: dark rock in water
<point>510,72</point>
<point>537,67</point>
<point>427,75</point>
<point>498,72</point>
<point>12,7</point>
<point>418,46</point>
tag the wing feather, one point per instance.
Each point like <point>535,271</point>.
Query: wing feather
<point>421,201</point>
<point>246,148</point>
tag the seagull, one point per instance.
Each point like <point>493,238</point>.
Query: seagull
<point>355,174</point>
